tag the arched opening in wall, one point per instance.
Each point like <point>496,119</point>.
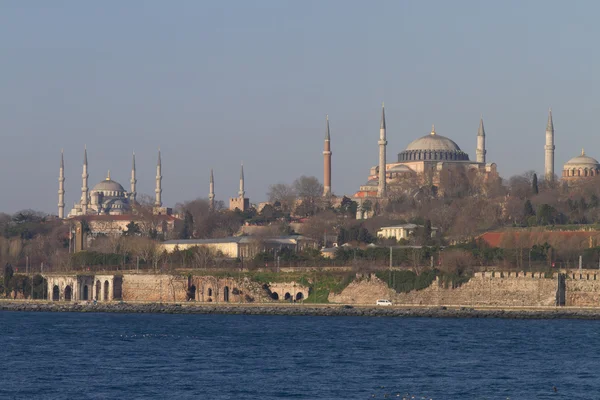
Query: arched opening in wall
<point>274,296</point>
<point>85,292</point>
<point>98,288</point>
<point>299,296</point>
<point>68,293</point>
<point>106,287</point>
<point>287,296</point>
<point>226,293</point>
<point>55,293</point>
<point>191,294</point>
<point>209,291</point>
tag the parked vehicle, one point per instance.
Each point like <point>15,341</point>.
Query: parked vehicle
<point>383,303</point>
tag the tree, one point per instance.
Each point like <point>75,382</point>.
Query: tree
<point>528,209</point>
<point>309,191</point>
<point>534,184</point>
<point>187,230</point>
<point>8,275</point>
<point>426,233</point>
<point>132,229</point>
<point>284,194</point>
<point>348,207</point>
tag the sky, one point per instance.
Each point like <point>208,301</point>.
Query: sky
<point>217,83</point>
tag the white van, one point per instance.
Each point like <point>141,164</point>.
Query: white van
<point>384,303</point>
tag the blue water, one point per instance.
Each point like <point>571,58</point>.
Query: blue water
<point>99,356</point>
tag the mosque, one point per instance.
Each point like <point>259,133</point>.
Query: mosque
<point>108,207</point>
<point>108,197</point>
<point>424,158</point>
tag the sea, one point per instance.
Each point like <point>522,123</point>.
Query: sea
<point>162,356</point>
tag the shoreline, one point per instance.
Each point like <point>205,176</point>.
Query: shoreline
<point>304,310</point>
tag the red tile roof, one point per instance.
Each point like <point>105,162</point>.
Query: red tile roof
<point>500,239</point>
<point>125,217</point>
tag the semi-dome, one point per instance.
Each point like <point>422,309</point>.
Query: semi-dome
<point>433,147</point>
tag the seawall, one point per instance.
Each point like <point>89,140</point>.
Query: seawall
<point>485,289</point>
<point>302,310</point>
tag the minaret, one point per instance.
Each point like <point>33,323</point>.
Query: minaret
<point>327,163</point>
<point>61,187</point>
<point>549,159</point>
<point>242,193</point>
<point>84,184</point>
<point>481,143</point>
<point>211,191</point>
<point>158,190</point>
<point>133,181</point>
<point>381,190</point>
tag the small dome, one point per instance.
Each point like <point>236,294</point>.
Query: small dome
<point>582,160</point>
<point>108,185</point>
<point>433,141</point>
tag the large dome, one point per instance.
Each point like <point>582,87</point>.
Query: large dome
<point>108,185</point>
<point>432,147</point>
<point>433,141</point>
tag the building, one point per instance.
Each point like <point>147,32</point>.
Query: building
<point>423,161</point>
<point>108,208</point>
<point>108,197</point>
<point>403,231</point>
<point>579,167</point>
<point>243,246</point>
<point>161,224</point>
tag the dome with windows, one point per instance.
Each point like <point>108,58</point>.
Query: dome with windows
<point>433,147</point>
<point>581,166</point>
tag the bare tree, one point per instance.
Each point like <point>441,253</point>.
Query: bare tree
<point>310,192</point>
<point>286,195</point>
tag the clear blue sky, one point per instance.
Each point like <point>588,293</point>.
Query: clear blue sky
<point>213,83</point>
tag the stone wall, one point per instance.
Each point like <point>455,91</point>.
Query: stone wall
<point>483,289</point>
<point>583,288</point>
<point>155,288</point>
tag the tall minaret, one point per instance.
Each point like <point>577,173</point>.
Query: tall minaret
<point>211,191</point>
<point>381,190</point>
<point>481,151</point>
<point>133,181</point>
<point>327,163</point>
<point>549,164</point>
<point>242,193</point>
<point>158,190</point>
<point>61,187</point>
<point>84,184</point>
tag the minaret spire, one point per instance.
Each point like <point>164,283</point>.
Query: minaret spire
<point>133,181</point>
<point>61,186</point>
<point>549,148</point>
<point>242,193</point>
<point>158,190</point>
<point>381,189</point>
<point>211,191</point>
<point>481,151</point>
<point>84,183</point>
<point>327,161</point>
